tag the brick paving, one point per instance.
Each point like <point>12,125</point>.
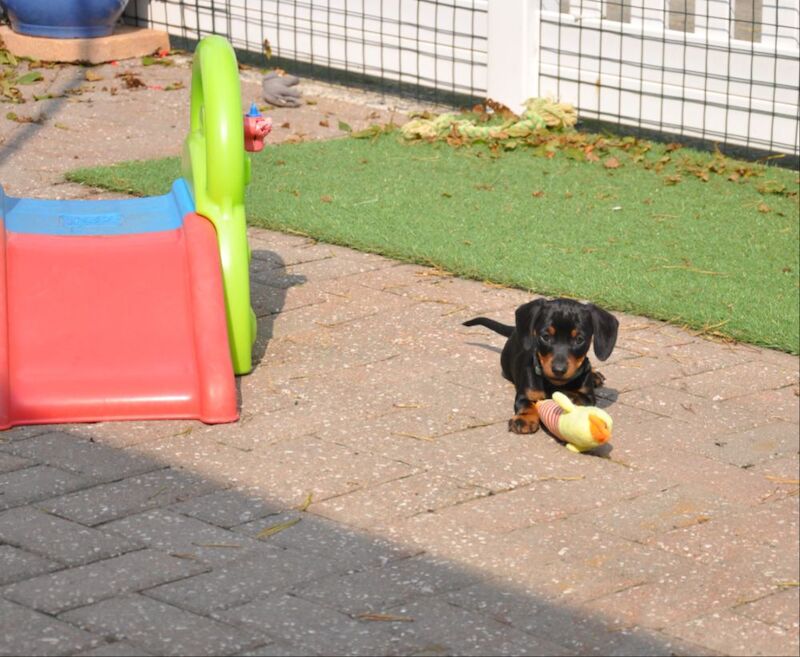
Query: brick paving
<point>370,499</point>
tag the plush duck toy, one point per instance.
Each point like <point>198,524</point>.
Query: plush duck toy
<point>581,427</point>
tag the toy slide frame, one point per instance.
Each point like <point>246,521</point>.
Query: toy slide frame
<point>136,308</point>
<point>217,170</point>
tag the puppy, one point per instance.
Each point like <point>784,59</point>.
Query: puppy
<point>546,352</point>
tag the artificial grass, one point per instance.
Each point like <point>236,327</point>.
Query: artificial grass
<point>718,256</point>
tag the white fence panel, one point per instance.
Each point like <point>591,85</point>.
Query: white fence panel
<point>721,70</point>
<point>435,44</point>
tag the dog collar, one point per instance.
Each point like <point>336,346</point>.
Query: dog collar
<point>537,368</point>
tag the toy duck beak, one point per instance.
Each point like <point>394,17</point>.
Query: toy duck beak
<point>600,431</point>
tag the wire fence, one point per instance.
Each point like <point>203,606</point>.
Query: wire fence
<point>434,50</point>
<point>716,71</point>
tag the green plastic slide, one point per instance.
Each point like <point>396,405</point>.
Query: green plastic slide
<point>217,170</point>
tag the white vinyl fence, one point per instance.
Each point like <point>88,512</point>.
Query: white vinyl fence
<point>720,70</point>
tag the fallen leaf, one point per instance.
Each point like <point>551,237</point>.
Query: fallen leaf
<point>413,435</point>
<point>325,198</point>
<point>344,127</point>
<point>29,78</point>
<point>384,618</point>
<point>763,207</point>
<point>783,480</point>
<point>274,529</point>
<point>131,80</point>
<point>672,180</point>
<point>324,123</point>
<point>149,60</point>
<point>12,116</point>
<point>93,76</point>
<point>612,163</point>
<point>537,194</point>
<point>286,124</point>
<point>307,503</point>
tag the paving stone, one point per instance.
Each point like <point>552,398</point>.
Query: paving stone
<point>567,626</point>
<point>114,500</point>
<point>277,649</point>
<point>161,629</point>
<point>401,498</point>
<point>313,628</point>
<point>267,571</point>
<point>185,537</point>
<point>85,585</point>
<point>561,489</point>
<point>58,539</point>
<point>9,463</point>
<point>37,483</point>
<point>423,283</point>
<point>115,649</point>
<point>442,627</point>
<point>268,299</point>
<point>769,405</point>
<point>736,380</point>
<point>17,564</point>
<point>733,634</point>
<point>723,481</point>
<point>761,540</point>
<point>130,434</point>
<point>96,461</point>
<point>23,433</point>
<point>24,631</point>
<point>780,471</point>
<point>316,538</point>
<point>227,508</point>
<point>656,512</point>
<point>678,595</point>
<point>285,470</point>
<point>635,373</point>
<point>696,356</point>
<point>776,609</point>
<point>379,588</point>
<point>746,448</point>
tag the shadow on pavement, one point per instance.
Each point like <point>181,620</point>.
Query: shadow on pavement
<point>120,550</point>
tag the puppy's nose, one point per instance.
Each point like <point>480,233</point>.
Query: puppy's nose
<point>559,369</point>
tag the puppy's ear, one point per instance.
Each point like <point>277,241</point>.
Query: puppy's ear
<point>605,327</point>
<point>526,316</point>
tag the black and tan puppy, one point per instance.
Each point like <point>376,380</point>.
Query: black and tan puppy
<point>546,352</point>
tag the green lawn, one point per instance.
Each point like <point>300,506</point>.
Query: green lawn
<point>717,255</point>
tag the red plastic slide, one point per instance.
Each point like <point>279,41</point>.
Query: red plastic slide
<point>111,310</point>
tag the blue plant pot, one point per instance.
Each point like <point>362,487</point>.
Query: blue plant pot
<point>64,19</point>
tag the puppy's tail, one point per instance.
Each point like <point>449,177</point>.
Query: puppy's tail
<point>497,327</point>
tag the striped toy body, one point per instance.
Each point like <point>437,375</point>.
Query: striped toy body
<point>550,413</point>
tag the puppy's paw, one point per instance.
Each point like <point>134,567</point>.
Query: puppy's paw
<point>598,379</point>
<point>523,424</point>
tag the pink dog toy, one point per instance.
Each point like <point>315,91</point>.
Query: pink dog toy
<point>256,127</point>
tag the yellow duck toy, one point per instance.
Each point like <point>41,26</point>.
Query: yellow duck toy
<point>581,427</point>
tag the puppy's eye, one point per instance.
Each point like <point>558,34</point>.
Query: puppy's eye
<point>578,341</point>
<point>546,338</point>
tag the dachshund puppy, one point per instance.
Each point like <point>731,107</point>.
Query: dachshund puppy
<point>546,352</point>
